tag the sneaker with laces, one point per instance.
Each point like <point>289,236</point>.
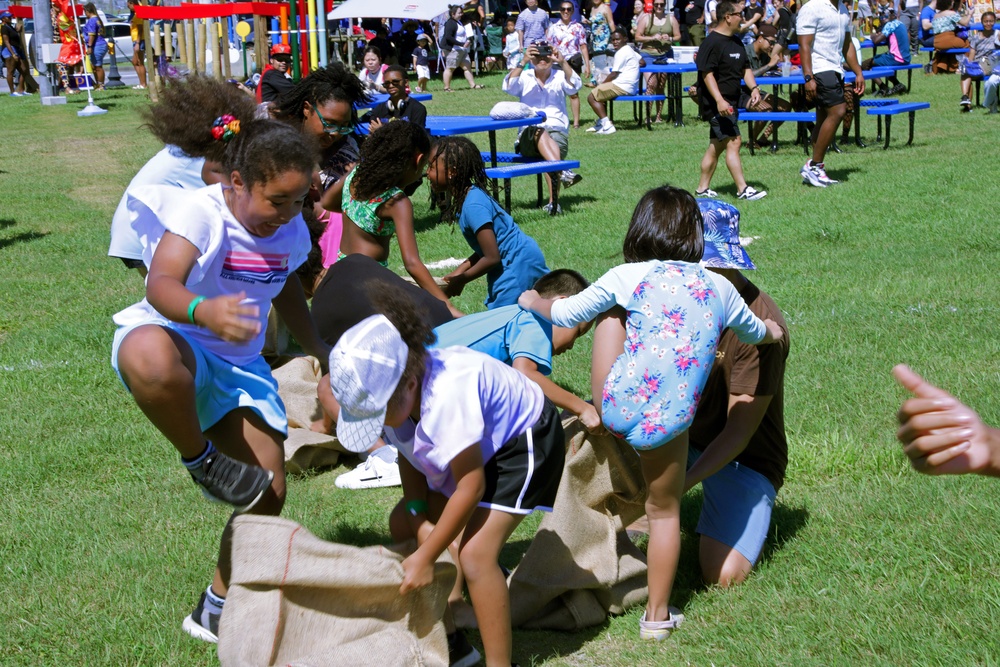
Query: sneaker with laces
<point>548,208</point>
<point>569,179</point>
<point>898,89</point>
<point>598,124</point>
<point>815,174</point>
<point>379,470</point>
<point>660,630</point>
<point>224,479</point>
<point>203,624</point>
<point>707,192</point>
<point>966,104</point>
<point>751,194</point>
<point>460,652</point>
<point>607,128</point>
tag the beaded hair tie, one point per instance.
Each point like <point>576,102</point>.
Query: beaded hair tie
<point>225,128</point>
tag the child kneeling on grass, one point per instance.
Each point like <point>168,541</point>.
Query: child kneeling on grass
<point>651,370</point>
<point>189,352</point>
<point>482,447</point>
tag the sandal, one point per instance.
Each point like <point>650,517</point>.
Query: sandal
<point>448,90</point>
<point>478,86</point>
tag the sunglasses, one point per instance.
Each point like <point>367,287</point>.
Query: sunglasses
<point>393,82</point>
<point>333,128</point>
<point>565,9</point>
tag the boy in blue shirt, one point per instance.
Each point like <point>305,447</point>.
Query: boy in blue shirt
<point>527,342</point>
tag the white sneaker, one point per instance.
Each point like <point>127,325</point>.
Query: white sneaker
<point>607,128</point>
<point>750,194</point>
<point>707,192</point>
<point>569,179</point>
<point>815,174</point>
<point>548,208</point>
<point>378,470</point>
<point>598,124</point>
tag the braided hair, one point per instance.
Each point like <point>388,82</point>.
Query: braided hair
<point>464,164</point>
<point>385,155</point>
<point>332,83</point>
<point>188,109</point>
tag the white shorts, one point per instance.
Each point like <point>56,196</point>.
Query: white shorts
<point>423,72</point>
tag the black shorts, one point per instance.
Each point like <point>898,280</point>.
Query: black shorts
<point>829,89</point>
<point>576,62</point>
<point>721,128</point>
<point>524,474</point>
<point>132,263</point>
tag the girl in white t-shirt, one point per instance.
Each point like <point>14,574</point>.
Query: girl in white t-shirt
<point>481,448</point>
<point>189,352</point>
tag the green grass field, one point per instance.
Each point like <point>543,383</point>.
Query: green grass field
<point>106,544</point>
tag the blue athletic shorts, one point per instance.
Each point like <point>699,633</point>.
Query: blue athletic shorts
<point>737,507</point>
<point>221,387</point>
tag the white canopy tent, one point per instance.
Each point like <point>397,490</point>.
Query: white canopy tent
<point>418,10</point>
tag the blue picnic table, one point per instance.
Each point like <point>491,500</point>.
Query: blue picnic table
<point>674,89</point>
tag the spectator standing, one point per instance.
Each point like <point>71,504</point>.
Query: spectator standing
<point>137,31</point>
<point>623,80</point>
<point>722,62</point>
<point>15,58</point>
<point>693,28</point>
<point>275,81</point>
<point>824,38</point>
<point>654,34</point>
<point>909,16</point>
<point>545,90</point>
<point>532,24</point>
<point>569,38</point>
<point>454,41</point>
<point>94,43</point>
<point>421,61</point>
<point>753,17</point>
<point>600,24</point>
<point>512,50</point>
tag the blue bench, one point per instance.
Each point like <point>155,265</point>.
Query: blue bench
<point>514,169</point>
<point>800,117</point>
<point>637,106</point>
<point>895,109</point>
<point>880,102</point>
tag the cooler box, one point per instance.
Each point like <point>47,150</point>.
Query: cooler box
<point>685,54</point>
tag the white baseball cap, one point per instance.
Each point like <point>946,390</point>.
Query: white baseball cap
<point>365,367</point>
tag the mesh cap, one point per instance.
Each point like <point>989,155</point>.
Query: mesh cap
<point>365,367</point>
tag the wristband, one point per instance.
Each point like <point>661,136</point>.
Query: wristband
<point>194,304</point>
<point>415,507</point>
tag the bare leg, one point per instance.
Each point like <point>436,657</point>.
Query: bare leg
<point>708,164</point>
<point>598,107</point>
<point>485,535</point>
<point>158,367</point>
<point>9,66</point>
<point>721,564</point>
<point>138,61</point>
<point>99,76</point>
<point>827,122</point>
<point>663,469</point>
<point>243,435</point>
<point>574,102</point>
<point>548,149</point>
<point>447,78</point>
<point>609,343</point>
<point>468,76</point>
<point>733,162</point>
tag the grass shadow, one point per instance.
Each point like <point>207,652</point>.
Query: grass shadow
<point>841,174</point>
<point>6,222</point>
<point>346,533</point>
<point>21,238</point>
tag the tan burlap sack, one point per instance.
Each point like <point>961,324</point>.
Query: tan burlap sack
<point>304,448</point>
<point>295,599</point>
<point>581,566</point>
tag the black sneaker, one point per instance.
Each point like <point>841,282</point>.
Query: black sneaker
<point>898,89</point>
<point>965,104</point>
<point>203,624</point>
<point>460,652</point>
<point>226,480</point>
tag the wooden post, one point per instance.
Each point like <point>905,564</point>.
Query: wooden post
<point>227,69</point>
<point>152,77</point>
<point>200,46</point>
<point>260,45</point>
<point>157,50</point>
<point>212,30</point>
<point>168,41</point>
<point>182,42</point>
<point>190,46</point>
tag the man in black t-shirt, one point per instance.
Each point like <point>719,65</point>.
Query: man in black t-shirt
<point>722,62</point>
<point>275,81</point>
<point>399,106</point>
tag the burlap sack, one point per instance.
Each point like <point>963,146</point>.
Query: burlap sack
<point>295,599</point>
<point>581,566</point>
<point>304,448</point>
